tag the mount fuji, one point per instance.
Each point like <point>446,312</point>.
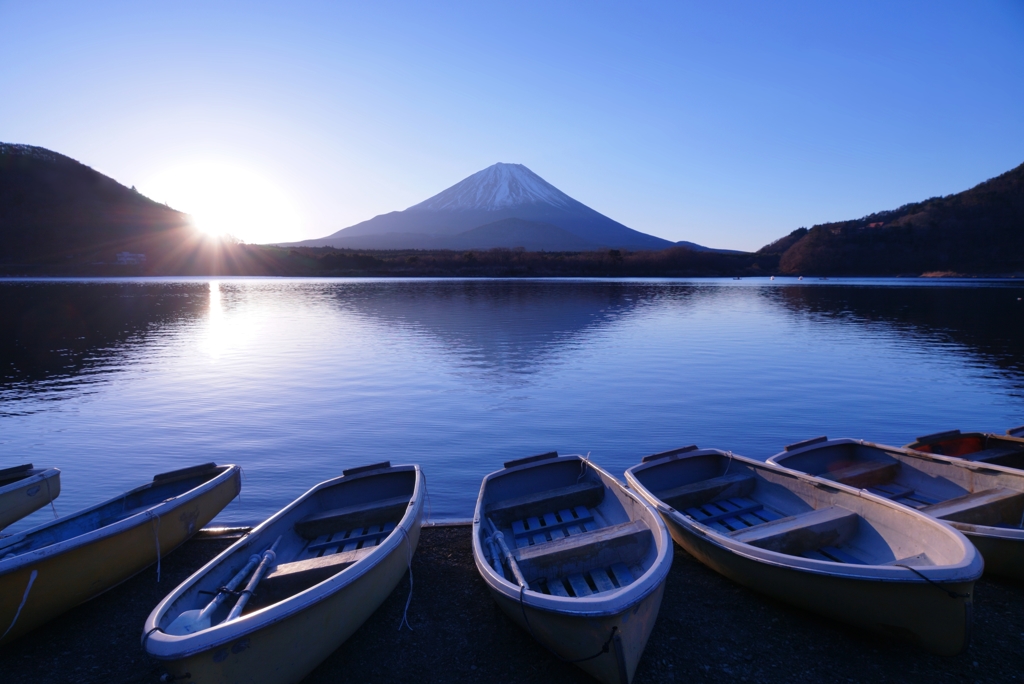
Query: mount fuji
<point>505,205</point>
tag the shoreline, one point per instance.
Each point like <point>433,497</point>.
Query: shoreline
<point>708,630</point>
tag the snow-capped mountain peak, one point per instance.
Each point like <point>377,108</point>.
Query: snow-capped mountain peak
<point>500,186</point>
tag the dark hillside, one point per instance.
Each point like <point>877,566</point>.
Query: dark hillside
<point>60,217</point>
<point>53,208</point>
<point>977,231</point>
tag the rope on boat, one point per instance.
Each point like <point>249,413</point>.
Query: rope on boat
<point>951,593</point>
<point>405,613</point>
<point>584,462</point>
<point>728,465</point>
<point>24,598</point>
<point>156,536</point>
<point>48,496</point>
<point>605,648</point>
<point>146,635</point>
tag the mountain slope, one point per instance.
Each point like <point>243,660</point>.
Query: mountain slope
<point>499,192</point>
<point>52,207</point>
<point>980,230</point>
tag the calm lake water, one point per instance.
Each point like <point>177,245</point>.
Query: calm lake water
<point>114,381</point>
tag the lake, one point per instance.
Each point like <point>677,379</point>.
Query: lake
<point>113,381</point>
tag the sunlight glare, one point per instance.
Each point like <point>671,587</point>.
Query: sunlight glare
<point>227,199</point>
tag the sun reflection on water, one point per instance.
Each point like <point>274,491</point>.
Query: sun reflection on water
<point>217,332</point>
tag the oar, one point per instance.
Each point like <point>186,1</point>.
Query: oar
<point>199,619</point>
<point>268,558</point>
<point>500,538</point>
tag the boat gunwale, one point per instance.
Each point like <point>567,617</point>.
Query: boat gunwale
<point>604,604</point>
<point>156,510</point>
<point>40,473</point>
<point>968,569</point>
<point>980,467</point>
<point>164,646</point>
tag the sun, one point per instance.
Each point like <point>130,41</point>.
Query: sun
<point>227,199</point>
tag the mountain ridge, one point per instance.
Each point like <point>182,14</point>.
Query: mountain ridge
<point>979,230</point>
<point>501,191</point>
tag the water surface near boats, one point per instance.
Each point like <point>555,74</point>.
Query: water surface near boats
<point>296,379</point>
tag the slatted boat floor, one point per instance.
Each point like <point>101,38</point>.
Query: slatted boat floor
<point>588,583</point>
<point>903,495</point>
<point>740,513</point>
<point>347,540</point>
<point>729,515</point>
<point>551,526</point>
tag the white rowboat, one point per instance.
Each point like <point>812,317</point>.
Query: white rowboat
<point>982,500</point>
<point>336,553</point>
<point>51,568</point>
<point>574,558</point>
<point>845,554</point>
<point>24,489</point>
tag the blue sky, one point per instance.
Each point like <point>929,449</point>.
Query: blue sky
<point>728,124</point>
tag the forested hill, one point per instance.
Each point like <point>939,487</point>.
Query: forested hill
<point>977,231</point>
<point>54,208</point>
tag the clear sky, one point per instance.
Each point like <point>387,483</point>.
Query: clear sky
<point>724,123</point>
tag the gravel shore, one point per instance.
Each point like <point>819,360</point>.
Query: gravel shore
<point>709,630</point>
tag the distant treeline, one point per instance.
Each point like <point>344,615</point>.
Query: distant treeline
<point>502,262</point>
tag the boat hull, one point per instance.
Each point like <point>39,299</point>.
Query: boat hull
<point>62,580</point>
<point>603,633</point>
<point>920,612</point>
<point>288,650</point>
<point>1003,550</point>
<point>575,637</point>
<point>28,495</point>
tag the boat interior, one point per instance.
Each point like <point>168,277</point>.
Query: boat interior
<point>939,489</point>
<point>327,532</point>
<point>974,446</point>
<point>570,533</point>
<point>755,504</point>
<point>9,476</point>
<point>164,487</point>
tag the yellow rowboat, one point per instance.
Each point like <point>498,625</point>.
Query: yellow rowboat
<point>981,447</point>
<point>984,501</point>
<point>51,568</point>
<point>574,558</point>
<point>24,489</point>
<point>332,557</point>
<point>842,553</point>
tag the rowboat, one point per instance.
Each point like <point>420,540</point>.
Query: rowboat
<point>982,447</point>
<point>842,553</point>
<point>53,567</point>
<point>984,501</point>
<point>24,489</point>
<point>341,548</point>
<point>574,558</point>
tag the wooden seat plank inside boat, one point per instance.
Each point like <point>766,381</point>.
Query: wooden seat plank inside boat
<point>599,559</point>
<point>613,535</point>
<point>288,579</point>
<point>996,452</point>
<point>348,517</point>
<point>812,530</point>
<point>696,493</point>
<point>864,473</point>
<point>987,507</point>
<point>328,554</point>
<point>587,494</point>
